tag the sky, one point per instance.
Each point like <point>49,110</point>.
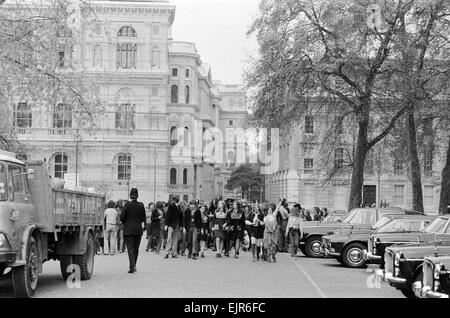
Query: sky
<point>219,30</point>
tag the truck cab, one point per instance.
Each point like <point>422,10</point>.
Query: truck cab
<point>16,208</point>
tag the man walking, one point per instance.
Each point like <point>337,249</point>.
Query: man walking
<point>174,221</point>
<point>133,219</point>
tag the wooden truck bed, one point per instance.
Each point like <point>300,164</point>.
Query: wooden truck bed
<point>60,209</point>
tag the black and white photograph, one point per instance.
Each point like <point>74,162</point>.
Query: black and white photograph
<point>224,154</point>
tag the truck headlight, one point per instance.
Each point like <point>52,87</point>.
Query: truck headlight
<point>4,241</point>
<point>437,271</point>
<point>397,259</point>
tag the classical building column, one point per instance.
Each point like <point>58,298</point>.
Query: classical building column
<point>292,178</point>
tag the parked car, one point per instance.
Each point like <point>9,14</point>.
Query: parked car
<point>403,264</point>
<point>311,242</point>
<point>378,242</point>
<point>348,246</point>
<point>335,216</point>
<point>436,278</point>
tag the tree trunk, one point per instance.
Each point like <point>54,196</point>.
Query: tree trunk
<point>445,185</point>
<point>416,179</point>
<point>355,198</point>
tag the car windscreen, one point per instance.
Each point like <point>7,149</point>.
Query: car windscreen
<point>381,222</point>
<point>437,226</point>
<point>363,217</point>
<point>399,225</point>
<point>350,216</point>
<point>3,183</point>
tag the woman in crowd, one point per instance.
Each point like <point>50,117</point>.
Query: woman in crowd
<point>255,228</point>
<point>317,214</point>
<point>110,236</point>
<point>204,232</point>
<point>148,215</point>
<point>270,233</point>
<point>219,225</point>
<point>155,226</point>
<point>212,208</point>
<point>236,223</point>
<point>293,232</point>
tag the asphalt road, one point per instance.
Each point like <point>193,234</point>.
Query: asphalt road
<point>212,278</point>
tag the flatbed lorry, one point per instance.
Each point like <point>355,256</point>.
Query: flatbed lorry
<point>40,222</point>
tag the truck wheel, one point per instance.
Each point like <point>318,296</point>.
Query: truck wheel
<point>25,278</point>
<point>353,255</point>
<point>64,262</point>
<point>86,261</point>
<point>312,246</point>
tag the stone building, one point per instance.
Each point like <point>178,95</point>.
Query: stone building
<point>156,91</point>
<point>302,176</point>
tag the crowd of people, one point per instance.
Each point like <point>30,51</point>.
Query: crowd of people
<point>226,227</point>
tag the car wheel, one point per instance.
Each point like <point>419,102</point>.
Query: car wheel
<point>352,255</point>
<point>313,246</point>
<point>302,249</point>
<point>408,293</point>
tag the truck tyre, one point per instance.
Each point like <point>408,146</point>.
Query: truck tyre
<point>86,261</point>
<point>25,278</point>
<point>65,262</point>
<point>313,246</point>
<point>352,255</point>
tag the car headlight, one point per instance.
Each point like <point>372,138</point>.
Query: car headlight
<point>4,241</point>
<point>437,271</point>
<point>397,259</point>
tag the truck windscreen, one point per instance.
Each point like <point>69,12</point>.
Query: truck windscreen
<point>3,183</point>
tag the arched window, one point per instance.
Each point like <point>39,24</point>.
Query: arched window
<point>186,137</point>
<point>173,176</point>
<point>185,177</point>
<point>173,136</point>
<point>174,94</point>
<point>127,32</point>
<point>126,52</point>
<point>61,165</point>
<point>187,95</point>
<point>124,167</point>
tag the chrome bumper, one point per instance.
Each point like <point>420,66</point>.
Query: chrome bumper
<point>426,292</point>
<point>396,280</point>
<point>369,256</point>
<point>327,253</point>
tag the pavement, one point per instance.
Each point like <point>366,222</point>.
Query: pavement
<point>157,277</point>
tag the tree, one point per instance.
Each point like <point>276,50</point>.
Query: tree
<point>248,179</point>
<point>40,61</point>
<point>330,56</point>
<point>444,201</point>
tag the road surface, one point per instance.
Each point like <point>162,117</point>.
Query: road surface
<point>212,278</point>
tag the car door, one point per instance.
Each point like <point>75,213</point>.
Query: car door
<point>22,209</point>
